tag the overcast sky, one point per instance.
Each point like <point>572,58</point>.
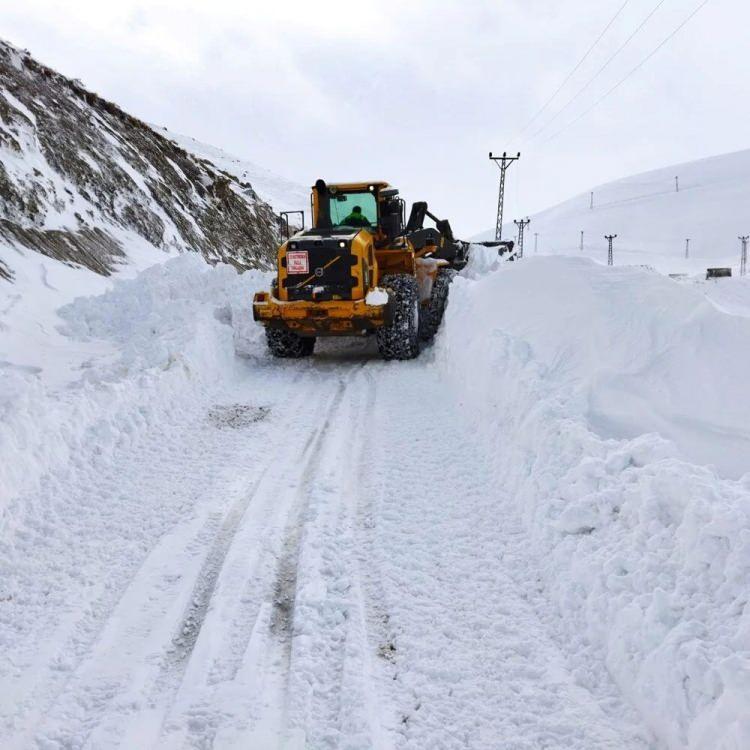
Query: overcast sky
<point>414,92</point>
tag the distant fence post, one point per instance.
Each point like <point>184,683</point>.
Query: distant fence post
<point>743,255</point>
<point>687,248</point>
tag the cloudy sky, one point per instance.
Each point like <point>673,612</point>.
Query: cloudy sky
<point>416,92</point>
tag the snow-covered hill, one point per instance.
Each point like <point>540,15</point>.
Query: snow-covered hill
<point>652,219</point>
<point>281,193</point>
<point>80,179</point>
<point>86,191</point>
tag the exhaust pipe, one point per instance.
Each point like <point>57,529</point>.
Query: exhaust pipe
<point>324,208</point>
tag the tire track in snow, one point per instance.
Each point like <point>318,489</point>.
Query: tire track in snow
<point>196,723</point>
<point>363,710</point>
<point>285,585</point>
<point>330,696</point>
<point>104,693</point>
<point>83,523</point>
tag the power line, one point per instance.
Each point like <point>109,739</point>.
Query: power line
<point>572,72</point>
<point>632,72</point>
<point>600,71</point>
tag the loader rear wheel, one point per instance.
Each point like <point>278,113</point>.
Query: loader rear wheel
<point>400,339</point>
<point>432,312</point>
<point>289,345</point>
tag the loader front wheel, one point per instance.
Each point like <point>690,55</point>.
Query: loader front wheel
<point>400,339</point>
<point>288,345</point>
<point>432,313</point>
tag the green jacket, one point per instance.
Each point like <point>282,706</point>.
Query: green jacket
<point>356,220</point>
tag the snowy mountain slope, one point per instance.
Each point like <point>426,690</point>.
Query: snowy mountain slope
<point>88,190</point>
<point>79,177</point>
<point>281,193</point>
<point>513,541</point>
<point>652,220</point>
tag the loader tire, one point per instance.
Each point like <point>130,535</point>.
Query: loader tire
<point>433,311</point>
<point>289,345</point>
<point>400,339</point>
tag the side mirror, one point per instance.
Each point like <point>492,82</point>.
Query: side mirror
<point>389,193</point>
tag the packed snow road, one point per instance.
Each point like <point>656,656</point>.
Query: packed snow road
<point>311,559</point>
<point>484,547</point>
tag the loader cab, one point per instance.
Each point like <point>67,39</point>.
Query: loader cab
<point>378,203</point>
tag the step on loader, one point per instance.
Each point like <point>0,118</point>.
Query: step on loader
<point>361,269</point>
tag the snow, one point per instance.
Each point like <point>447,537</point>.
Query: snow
<point>29,320</point>
<point>260,586</point>
<point>501,557</point>
<point>608,392</point>
<point>283,194</point>
<point>376,296</point>
<point>652,220</point>
<point>537,534</point>
<point>20,106</point>
<point>118,341</point>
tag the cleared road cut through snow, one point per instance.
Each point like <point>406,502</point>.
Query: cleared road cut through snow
<point>522,539</point>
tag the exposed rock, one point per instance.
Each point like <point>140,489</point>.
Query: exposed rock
<point>78,175</point>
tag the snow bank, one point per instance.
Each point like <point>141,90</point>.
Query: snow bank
<point>604,393</point>
<point>175,328</point>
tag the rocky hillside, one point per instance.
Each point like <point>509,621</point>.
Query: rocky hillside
<point>81,180</point>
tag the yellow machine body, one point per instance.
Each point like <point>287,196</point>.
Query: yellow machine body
<point>339,267</point>
<point>361,269</point>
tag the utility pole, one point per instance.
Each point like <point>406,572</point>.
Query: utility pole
<point>609,238</point>
<point>743,256</point>
<point>521,226</point>
<point>582,240</point>
<point>536,241</point>
<point>677,184</point>
<point>687,248</point>
<point>503,162</point>
<point>591,204</point>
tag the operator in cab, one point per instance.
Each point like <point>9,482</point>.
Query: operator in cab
<point>356,219</point>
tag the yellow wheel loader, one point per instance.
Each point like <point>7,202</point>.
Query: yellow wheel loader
<point>361,269</point>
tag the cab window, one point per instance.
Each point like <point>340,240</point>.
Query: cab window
<point>344,211</point>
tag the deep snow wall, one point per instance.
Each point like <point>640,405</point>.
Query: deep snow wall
<point>573,373</point>
<point>81,180</point>
<point>174,332</point>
